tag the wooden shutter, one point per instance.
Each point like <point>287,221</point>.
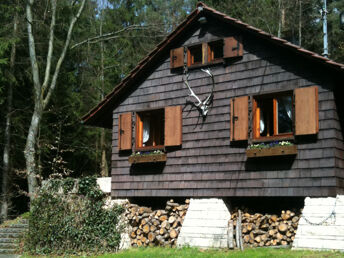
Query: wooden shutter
<point>306,111</point>
<point>124,131</point>
<point>177,57</point>
<point>173,126</point>
<point>232,47</point>
<point>239,118</point>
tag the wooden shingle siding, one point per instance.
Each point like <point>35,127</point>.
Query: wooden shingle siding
<point>206,164</point>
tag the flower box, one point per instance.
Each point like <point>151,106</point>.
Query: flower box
<point>150,158</point>
<point>272,151</point>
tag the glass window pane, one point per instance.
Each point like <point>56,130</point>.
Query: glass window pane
<point>285,114</point>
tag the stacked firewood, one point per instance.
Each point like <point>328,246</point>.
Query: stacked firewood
<point>268,230</point>
<point>155,227</point>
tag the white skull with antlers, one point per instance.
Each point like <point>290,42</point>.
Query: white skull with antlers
<point>204,105</point>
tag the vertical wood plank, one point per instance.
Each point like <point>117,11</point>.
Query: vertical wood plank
<point>204,53</point>
<point>173,126</point>
<point>275,115</point>
<point>306,111</point>
<point>177,57</point>
<point>138,131</point>
<point>124,131</point>
<point>239,118</point>
<point>256,119</point>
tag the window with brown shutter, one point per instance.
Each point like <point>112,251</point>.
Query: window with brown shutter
<point>273,116</point>
<point>177,58</point>
<point>214,52</point>
<point>306,111</point>
<point>282,115</point>
<point>173,126</point>
<point>232,47</point>
<point>124,131</point>
<point>239,118</point>
<point>149,130</point>
<point>159,128</point>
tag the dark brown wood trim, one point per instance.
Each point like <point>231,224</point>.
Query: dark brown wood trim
<point>273,151</point>
<point>147,158</point>
<point>148,148</point>
<point>274,138</point>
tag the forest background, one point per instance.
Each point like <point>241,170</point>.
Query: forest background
<point>109,38</point>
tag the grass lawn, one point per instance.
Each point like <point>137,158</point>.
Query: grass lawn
<point>193,252</point>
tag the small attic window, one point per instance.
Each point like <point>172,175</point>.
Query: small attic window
<point>195,55</point>
<point>207,53</point>
<point>215,50</point>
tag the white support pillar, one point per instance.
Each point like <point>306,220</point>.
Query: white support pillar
<point>205,224</point>
<point>321,225</point>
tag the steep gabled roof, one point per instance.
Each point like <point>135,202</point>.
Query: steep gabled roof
<point>101,115</point>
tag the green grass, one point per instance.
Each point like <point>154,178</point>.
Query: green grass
<point>193,252</point>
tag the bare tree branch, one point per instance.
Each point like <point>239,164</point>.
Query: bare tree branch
<point>111,35</point>
<point>32,51</point>
<point>51,47</point>
<point>63,54</point>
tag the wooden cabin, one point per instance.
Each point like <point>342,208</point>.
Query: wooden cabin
<point>271,124</point>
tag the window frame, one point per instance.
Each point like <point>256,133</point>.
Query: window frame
<point>138,137</point>
<point>191,55</point>
<point>255,124</point>
<point>211,47</point>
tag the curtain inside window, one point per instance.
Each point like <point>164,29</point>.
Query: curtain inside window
<point>146,129</point>
<point>261,123</point>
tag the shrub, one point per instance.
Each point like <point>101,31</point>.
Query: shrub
<point>68,217</point>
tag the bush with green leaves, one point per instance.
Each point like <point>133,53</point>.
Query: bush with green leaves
<point>68,217</point>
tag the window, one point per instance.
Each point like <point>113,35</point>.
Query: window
<point>273,116</point>
<point>150,129</point>
<point>195,55</point>
<point>207,52</point>
<point>215,50</point>
<point>154,129</point>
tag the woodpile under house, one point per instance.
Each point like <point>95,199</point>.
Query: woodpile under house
<point>258,230</point>
<point>223,110</point>
<point>155,227</point>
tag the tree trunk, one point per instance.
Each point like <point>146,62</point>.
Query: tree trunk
<point>103,164</point>
<point>42,92</point>
<point>281,21</point>
<point>300,22</point>
<point>7,135</point>
<point>30,150</point>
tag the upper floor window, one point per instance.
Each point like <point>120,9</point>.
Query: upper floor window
<point>207,52</point>
<point>195,55</point>
<point>215,50</point>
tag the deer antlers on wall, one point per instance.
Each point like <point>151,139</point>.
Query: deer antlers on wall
<point>204,105</point>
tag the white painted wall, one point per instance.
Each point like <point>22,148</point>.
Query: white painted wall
<point>104,184</point>
<point>205,224</point>
<point>329,234</point>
